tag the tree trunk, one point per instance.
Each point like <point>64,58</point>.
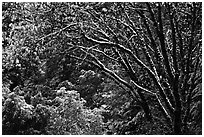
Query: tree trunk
<point>177,113</point>
<point>177,121</point>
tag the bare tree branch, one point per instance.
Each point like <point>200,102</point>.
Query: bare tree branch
<point>163,45</point>
<point>54,33</point>
<point>140,63</point>
<point>174,56</point>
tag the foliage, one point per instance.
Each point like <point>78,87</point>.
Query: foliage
<point>65,115</point>
<point>71,117</point>
<point>144,41</point>
<point>138,64</point>
<point>89,85</point>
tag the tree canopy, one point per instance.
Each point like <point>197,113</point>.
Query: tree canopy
<point>129,67</point>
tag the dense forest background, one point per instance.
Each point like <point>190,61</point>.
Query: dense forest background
<point>101,68</point>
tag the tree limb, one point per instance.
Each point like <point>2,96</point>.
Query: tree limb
<point>173,39</point>
<point>140,63</point>
<point>163,45</point>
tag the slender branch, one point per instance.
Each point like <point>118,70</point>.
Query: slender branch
<point>127,25</point>
<point>144,89</point>
<point>99,51</point>
<point>102,67</point>
<point>136,30</point>
<point>148,29</point>
<point>101,32</point>
<point>159,32</point>
<point>157,52</point>
<point>153,17</point>
<point>130,21</point>
<point>140,63</point>
<point>161,91</point>
<point>163,110</point>
<point>177,97</point>
<point>86,60</point>
<point>189,98</point>
<point>131,73</point>
<point>190,46</point>
<point>51,34</point>
<point>180,45</point>
<point>129,69</point>
<point>163,46</point>
<point>114,77</point>
<point>121,60</point>
<point>173,38</point>
<point>150,61</point>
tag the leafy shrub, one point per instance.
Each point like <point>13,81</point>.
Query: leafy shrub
<point>66,114</point>
<point>89,85</point>
<point>17,114</point>
<point>72,117</point>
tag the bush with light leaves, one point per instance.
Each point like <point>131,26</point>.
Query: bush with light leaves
<point>71,117</point>
<point>16,114</point>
